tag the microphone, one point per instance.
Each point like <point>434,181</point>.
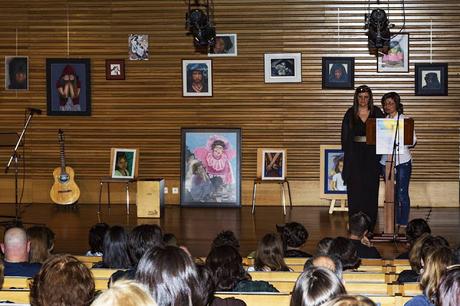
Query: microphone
<point>34,111</point>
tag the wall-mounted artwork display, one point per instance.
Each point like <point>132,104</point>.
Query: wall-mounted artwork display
<point>338,72</point>
<point>115,69</point>
<point>397,59</point>
<point>210,167</point>
<point>283,67</point>
<point>16,73</point>
<point>197,78</point>
<point>68,87</point>
<point>331,182</point>
<point>226,45</point>
<point>431,79</point>
<point>138,47</point>
<point>271,164</point>
<point>124,163</point>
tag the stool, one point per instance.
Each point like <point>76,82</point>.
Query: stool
<point>108,180</point>
<point>283,197</point>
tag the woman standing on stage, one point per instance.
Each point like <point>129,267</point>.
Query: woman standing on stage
<point>361,169</point>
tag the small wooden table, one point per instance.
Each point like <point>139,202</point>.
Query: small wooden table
<point>108,181</point>
<point>283,194</point>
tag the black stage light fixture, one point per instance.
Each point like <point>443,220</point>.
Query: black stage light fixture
<point>378,32</point>
<point>199,24</point>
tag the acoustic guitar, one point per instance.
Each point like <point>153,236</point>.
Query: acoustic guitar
<point>64,191</point>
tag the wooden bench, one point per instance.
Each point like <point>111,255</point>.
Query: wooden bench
<point>15,296</point>
<point>89,261</point>
<point>16,282</point>
<point>410,289</point>
<point>375,277</point>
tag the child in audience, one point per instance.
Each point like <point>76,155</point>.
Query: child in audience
<point>170,239</point>
<point>332,263</point>
<point>115,250</point>
<point>345,250</point>
<point>41,243</point>
<point>96,238</point>
<point>449,287</point>
<point>270,255</point>
<point>323,246</point>
<point>415,228</point>
<point>294,237</point>
<point>226,238</point>
<point>125,293</point>
<point>358,228</point>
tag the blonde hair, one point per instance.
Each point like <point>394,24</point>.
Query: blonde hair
<point>125,293</point>
<point>436,264</point>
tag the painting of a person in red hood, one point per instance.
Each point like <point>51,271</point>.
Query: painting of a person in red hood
<point>68,87</point>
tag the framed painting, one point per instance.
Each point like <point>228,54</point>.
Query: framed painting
<point>68,87</point>
<point>210,167</point>
<point>283,67</point>
<point>124,163</point>
<point>397,59</point>
<point>431,79</point>
<point>197,78</point>
<point>271,164</point>
<point>115,69</point>
<point>338,72</point>
<point>226,45</point>
<point>138,47</point>
<point>16,73</point>
<point>331,167</point>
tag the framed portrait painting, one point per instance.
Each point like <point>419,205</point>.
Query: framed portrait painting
<point>338,72</point>
<point>283,68</point>
<point>16,73</point>
<point>115,69</point>
<point>271,164</point>
<point>138,47</point>
<point>397,58</point>
<point>197,78</point>
<point>431,79</point>
<point>210,167</point>
<point>68,87</point>
<point>124,163</point>
<point>331,182</point>
<point>226,45</point>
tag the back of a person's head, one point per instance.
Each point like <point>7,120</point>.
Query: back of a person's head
<point>270,253</point>
<point>449,287</point>
<point>359,224</point>
<point>323,246</point>
<point>62,280</point>
<point>416,228</point>
<point>430,244</point>
<point>206,283</point>
<point>226,238</point>
<point>345,250</point>
<point>435,265</point>
<point>116,255</point>
<point>350,300</point>
<point>457,256</point>
<point>424,245</point>
<point>294,234</point>
<point>142,238</point>
<point>170,275</point>
<point>15,243</point>
<point>41,243</point>
<point>96,237</point>
<point>316,286</point>
<point>170,239</point>
<point>125,293</point>
<point>325,261</point>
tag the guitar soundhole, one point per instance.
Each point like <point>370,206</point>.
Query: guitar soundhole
<point>64,178</point>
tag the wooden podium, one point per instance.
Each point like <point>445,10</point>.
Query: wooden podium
<point>389,203</point>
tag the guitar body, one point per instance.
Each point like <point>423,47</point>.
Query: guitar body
<point>64,191</point>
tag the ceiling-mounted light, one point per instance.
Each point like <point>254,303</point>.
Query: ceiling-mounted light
<point>378,32</point>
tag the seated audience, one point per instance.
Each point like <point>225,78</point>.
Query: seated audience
<point>344,249</point>
<point>415,228</point>
<point>315,287</point>
<point>125,293</point>
<point>457,256</point>
<point>294,237</point>
<point>332,263</point>
<point>170,276</point>
<point>170,239</point>
<point>226,238</point>
<point>358,228</point>
<point>41,243</point>
<point>350,300</point>
<point>449,287</point>
<point>2,273</point>
<point>115,250</point>
<point>15,248</point>
<point>269,255</point>
<point>62,280</point>
<point>96,238</point>
<point>229,274</point>
<point>323,246</point>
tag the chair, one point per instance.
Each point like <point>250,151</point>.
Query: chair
<point>108,181</point>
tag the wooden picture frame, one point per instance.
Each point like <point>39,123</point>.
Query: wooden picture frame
<point>17,73</point>
<point>283,67</point>
<point>131,157</point>
<point>431,79</point>
<point>197,78</point>
<point>338,72</point>
<point>271,164</point>
<point>330,156</point>
<point>115,69</point>
<point>397,59</point>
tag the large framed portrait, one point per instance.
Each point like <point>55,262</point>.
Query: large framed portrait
<point>210,167</point>
<point>68,87</point>
<point>431,79</point>
<point>338,72</point>
<point>124,163</point>
<point>197,78</point>
<point>331,167</point>
<point>283,68</point>
<point>397,59</point>
<point>226,45</point>
<point>138,47</point>
<point>16,73</point>
<point>115,69</point>
<point>271,164</point>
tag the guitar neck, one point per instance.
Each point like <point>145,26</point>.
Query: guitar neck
<point>62,158</point>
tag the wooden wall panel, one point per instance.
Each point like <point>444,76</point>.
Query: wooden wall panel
<point>147,109</point>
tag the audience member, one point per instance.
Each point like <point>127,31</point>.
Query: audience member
<point>170,239</point>
<point>415,228</point>
<point>323,246</point>
<point>457,256</point>
<point>115,250</point>
<point>96,239</point>
<point>2,273</point>
<point>316,286</point>
<point>15,248</point>
<point>41,243</point>
<point>63,280</point>
<point>226,238</point>
<point>294,237</point>
<point>125,293</point>
<point>269,254</point>
<point>449,287</point>
<point>350,300</point>
<point>358,228</point>
<point>332,263</point>
<point>345,250</point>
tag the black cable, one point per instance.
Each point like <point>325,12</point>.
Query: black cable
<point>404,20</point>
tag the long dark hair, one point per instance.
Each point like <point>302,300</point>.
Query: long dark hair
<point>370,105</point>
<point>142,238</point>
<point>270,254</point>
<point>396,98</point>
<point>116,255</point>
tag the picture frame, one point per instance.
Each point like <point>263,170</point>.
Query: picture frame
<point>210,167</point>
<point>63,74</point>
<point>397,59</point>
<point>124,163</point>
<point>271,164</point>
<point>115,69</point>
<point>431,79</point>
<point>331,182</point>
<point>338,72</point>
<point>226,45</point>
<point>138,47</point>
<point>17,73</point>
<point>197,78</point>
<point>283,67</point>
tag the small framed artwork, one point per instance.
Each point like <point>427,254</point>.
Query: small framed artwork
<point>115,69</point>
<point>338,72</point>
<point>124,163</point>
<point>210,167</point>
<point>197,78</point>
<point>331,182</point>
<point>16,73</point>
<point>271,164</point>
<point>397,59</point>
<point>283,67</point>
<point>68,87</point>
<point>431,79</point>
<point>226,45</point>
<point>138,45</point>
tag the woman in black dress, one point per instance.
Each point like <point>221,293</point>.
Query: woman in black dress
<point>361,164</point>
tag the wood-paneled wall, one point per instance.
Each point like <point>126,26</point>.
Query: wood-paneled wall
<point>147,109</point>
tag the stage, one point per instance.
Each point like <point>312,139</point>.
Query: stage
<point>196,227</point>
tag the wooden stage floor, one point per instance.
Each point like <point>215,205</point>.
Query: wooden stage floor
<point>196,227</point>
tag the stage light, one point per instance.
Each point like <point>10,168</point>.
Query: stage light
<point>200,25</point>
<point>378,32</point>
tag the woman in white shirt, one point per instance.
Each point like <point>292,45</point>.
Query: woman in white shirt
<point>393,108</point>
